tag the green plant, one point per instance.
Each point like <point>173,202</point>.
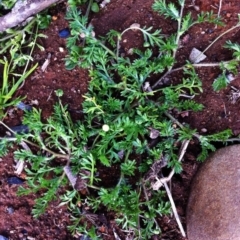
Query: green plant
<point>18,44</point>
<point>231,66</point>
<point>7,4</point>
<point>17,40</point>
<point>127,127</point>
<point>184,23</point>
<point>92,5</point>
<point>8,87</point>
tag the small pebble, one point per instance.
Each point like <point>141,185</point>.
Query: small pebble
<point>64,33</point>
<point>130,51</point>
<point>20,235</point>
<point>14,180</point>
<point>228,15</point>
<point>20,129</point>
<point>197,8</point>
<point>24,106</point>
<point>135,26</point>
<point>230,77</point>
<point>210,31</point>
<point>10,210</point>
<point>213,205</point>
<point>24,231</point>
<point>121,154</point>
<point>196,56</point>
<point>186,39</point>
<point>73,90</point>
<point>61,49</point>
<point>35,102</point>
<point>154,133</point>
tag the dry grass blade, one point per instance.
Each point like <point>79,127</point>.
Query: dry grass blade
<point>160,182</point>
<point>174,209</point>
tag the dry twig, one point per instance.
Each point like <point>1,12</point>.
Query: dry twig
<point>219,8</point>
<point>174,209</point>
<point>163,182</point>
<point>22,10</point>
<point>160,183</point>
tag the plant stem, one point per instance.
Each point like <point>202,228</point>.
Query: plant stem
<point>176,42</point>
<point>160,182</point>
<point>44,148</point>
<point>170,70</point>
<point>178,33</point>
<point>180,125</point>
<point>122,174</point>
<point>107,49</point>
<point>216,39</point>
<point>197,65</point>
<point>31,51</point>
<point>88,9</point>
<point>18,32</point>
<point>174,209</point>
<point>33,144</point>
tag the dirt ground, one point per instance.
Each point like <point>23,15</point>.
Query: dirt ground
<point>219,113</point>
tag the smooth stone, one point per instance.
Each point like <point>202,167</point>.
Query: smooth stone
<point>64,33</point>
<point>15,180</point>
<point>213,211</point>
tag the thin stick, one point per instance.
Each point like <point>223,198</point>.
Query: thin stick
<point>198,65</point>
<point>71,177</point>
<point>216,39</point>
<point>176,42</point>
<point>174,209</point>
<point>219,9</point>
<point>65,156</point>
<point>163,181</point>
<point>198,136</point>
<point>147,198</point>
<point>160,182</point>
<point>104,3</point>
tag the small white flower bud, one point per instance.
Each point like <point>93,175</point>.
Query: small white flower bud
<point>105,128</point>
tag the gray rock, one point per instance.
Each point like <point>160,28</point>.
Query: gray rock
<point>196,56</point>
<point>213,211</point>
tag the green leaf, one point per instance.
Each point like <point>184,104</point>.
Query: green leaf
<point>220,82</point>
<point>59,92</point>
<point>168,10</point>
<point>95,7</point>
<point>186,23</point>
<point>235,47</point>
<point>104,161</point>
<point>112,37</point>
<point>209,17</point>
<point>128,167</point>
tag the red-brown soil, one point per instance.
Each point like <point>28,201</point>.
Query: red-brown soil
<point>218,114</point>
